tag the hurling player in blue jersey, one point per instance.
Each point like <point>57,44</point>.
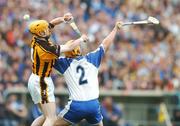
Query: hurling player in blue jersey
<point>81,75</point>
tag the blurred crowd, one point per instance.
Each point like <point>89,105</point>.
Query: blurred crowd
<point>142,57</point>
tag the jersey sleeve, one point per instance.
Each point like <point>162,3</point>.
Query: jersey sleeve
<point>49,48</point>
<point>62,64</point>
<point>96,56</point>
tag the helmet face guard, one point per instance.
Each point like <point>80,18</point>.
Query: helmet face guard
<point>74,53</point>
<point>40,28</point>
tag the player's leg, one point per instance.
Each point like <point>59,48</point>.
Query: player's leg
<point>48,98</point>
<point>47,119</point>
<point>49,111</point>
<point>34,89</point>
<point>42,91</point>
<point>49,116</point>
<point>61,122</point>
<point>41,119</point>
<point>38,121</point>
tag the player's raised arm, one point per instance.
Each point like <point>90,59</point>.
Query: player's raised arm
<point>71,46</point>
<point>109,39</point>
<point>66,18</point>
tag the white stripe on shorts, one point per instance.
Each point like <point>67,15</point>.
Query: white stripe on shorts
<point>65,110</point>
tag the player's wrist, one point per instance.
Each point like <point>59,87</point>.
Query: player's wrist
<point>67,21</point>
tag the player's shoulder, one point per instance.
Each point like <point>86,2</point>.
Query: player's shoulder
<point>96,52</point>
<point>99,49</point>
<point>95,56</point>
<point>63,59</point>
<point>62,64</point>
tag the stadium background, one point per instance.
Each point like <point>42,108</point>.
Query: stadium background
<point>140,71</point>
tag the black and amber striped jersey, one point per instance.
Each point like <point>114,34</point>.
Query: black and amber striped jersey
<point>43,55</point>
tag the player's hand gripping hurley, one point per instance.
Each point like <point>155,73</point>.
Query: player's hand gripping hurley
<point>73,25</point>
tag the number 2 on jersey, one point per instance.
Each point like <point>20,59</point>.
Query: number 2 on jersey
<point>80,70</point>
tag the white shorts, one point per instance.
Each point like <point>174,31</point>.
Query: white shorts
<point>41,89</point>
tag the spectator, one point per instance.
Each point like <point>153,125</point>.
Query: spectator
<point>111,112</point>
<point>2,111</point>
<point>17,112</point>
<point>176,116</point>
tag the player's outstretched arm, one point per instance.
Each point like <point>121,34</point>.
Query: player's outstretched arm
<point>66,18</point>
<point>57,49</point>
<point>110,38</point>
<point>71,46</point>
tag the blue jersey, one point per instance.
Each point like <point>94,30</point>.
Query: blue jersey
<point>81,74</point>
